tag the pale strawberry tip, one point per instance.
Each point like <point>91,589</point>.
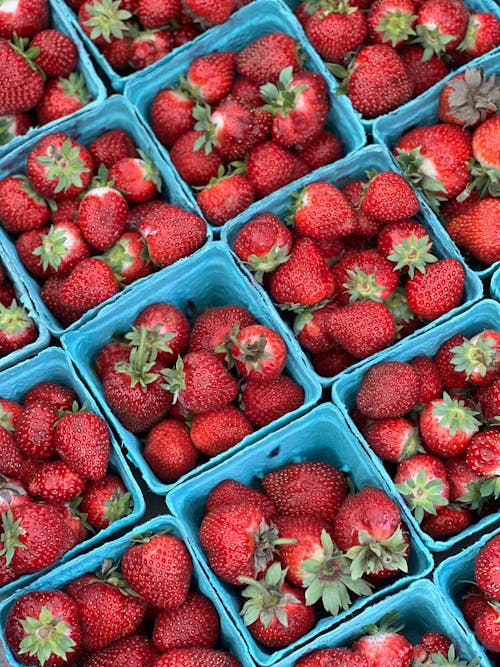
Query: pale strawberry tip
<point>46,636</point>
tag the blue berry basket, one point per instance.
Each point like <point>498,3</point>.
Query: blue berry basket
<point>55,366</point>
<point>321,435</point>
<point>251,22</point>
<point>420,609</point>
<point>94,84</point>
<point>388,129</point>
<point>345,170</point>
<point>23,298</point>
<point>452,578</point>
<point>495,285</point>
<point>483,315</point>
<point>91,562</point>
<point>209,278</point>
<point>114,112</point>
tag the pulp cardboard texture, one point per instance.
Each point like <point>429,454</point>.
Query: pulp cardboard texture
<point>342,172</point>
<point>91,562</point>
<point>321,435</point>
<point>452,578</point>
<point>54,365</point>
<point>23,298</point>
<point>259,18</point>
<point>209,278</point>
<point>94,84</point>
<point>423,112</point>
<point>114,112</point>
<point>495,285</point>
<point>483,315</point>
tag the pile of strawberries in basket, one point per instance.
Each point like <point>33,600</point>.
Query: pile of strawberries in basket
<point>434,422</point>
<point>17,329</point>
<point>356,269</point>
<point>38,78</point>
<point>181,384</point>
<point>55,488</point>
<point>241,125</point>
<point>90,221</point>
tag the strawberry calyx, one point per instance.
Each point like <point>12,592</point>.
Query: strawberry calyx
<point>7,129</point>
<point>204,123</point>
<point>412,165</point>
<point>223,173</point>
<point>151,338</point>
<point>453,415</point>
<point>474,357</point>
<point>326,7</point>
<point>6,420</point>
<point>303,314</point>
<point>64,164</point>
<point>111,574</point>
<point>469,40</point>
<point>145,538</point>
<point>119,505</point>
<point>75,512</point>
<point>412,254</point>
<point>20,44</point>
<point>175,378</point>
<point>14,319</point>
<point>265,598</point>
<point>259,265</point>
<point>53,248</point>
<point>46,636</point>
<point>433,41</point>
<point>473,96</point>
<point>27,186</point>
<point>372,555</point>
<point>253,353</point>
<point>362,286</point>
<point>107,20</point>
<point>265,541</point>
<point>119,258</point>
<point>74,86</point>
<point>75,408</point>
<point>281,98</point>
<point>387,624</point>
<point>139,365</point>
<point>450,660</point>
<point>10,489</point>
<point>342,74</point>
<point>476,494</point>
<point>422,495</point>
<point>151,173</point>
<point>490,488</point>
<point>328,578</point>
<point>485,179</point>
<point>396,26</point>
<point>11,532</point>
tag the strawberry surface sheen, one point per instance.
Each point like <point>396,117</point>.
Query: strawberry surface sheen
<point>385,649</point>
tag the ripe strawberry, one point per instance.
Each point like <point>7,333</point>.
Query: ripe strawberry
<point>128,258</point>
<point>149,46</point>
<point>354,191</point>
<point>212,328</point>
<point>389,198</point>
<point>103,20</point>
<point>21,207</point>
<point>59,167</point>
<point>475,230</point>
<point>10,456</point>
<point>22,83</point>
<point>389,389</point>
<point>14,125</point>
<point>7,294</point>
<point>58,55</point>
<point>210,12</point>
<point>449,520</point>
<point>225,197</point>
<point>323,150</point>
<point>332,362</point>
<point>482,34</point>
<point>194,166</point>
<point>231,492</point>
<point>136,214</point>
<point>65,210</point>
<point>193,624</point>
<point>407,244</point>
<point>61,97</point>
<point>111,147</point>
<point>171,115</point>
<point>364,275</point>
<point>441,25</point>
<point>102,216</point>
<point>487,569</point>
<point>90,283</point>
<point>384,645</point>
<point>488,399</point>
<point>24,18</point>
<point>313,336</point>
<point>118,54</point>
<point>56,482</point>
<point>270,167</point>
<point>309,488</point>
<point>447,426</point>
<point>192,657</point>
<point>82,441</point>
<point>211,77</point>
<point>486,628</point>
<point>17,329</point>
<point>137,178</point>
<point>35,430</point>
<point>422,482</point>
<point>258,352</point>
<point>322,211</point>
<point>384,551</point>
<point>468,98</point>
<point>167,330</point>
<point>336,31</point>
<point>486,163</point>
<point>265,58</point>
<point>105,501</point>
<point>170,463</point>
<point>51,296</point>
<point>108,356</point>
<point>394,440</point>
<point>391,21</point>
<point>431,643</point>
<point>332,656</point>
<point>275,613</point>
<point>42,629</point>
<point>431,382</point>
<point>215,432</point>
<point>438,290</point>
<point>134,651</point>
<point>264,402</point>
<point>229,129</point>
<point>151,15</point>
<point>483,456</point>
<point>478,357</point>
<point>423,74</point>
<point>159,569</point>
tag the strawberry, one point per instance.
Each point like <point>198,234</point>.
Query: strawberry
<point>431,643</point>
<point>56,482</point>
<point>167,330</point>
<point>17,329</point>
<point>111,147</point>
<point>265,58</point>
<point>441,25</point>
<point>14,125</point>
<point>212,328</point>
<point>389,198</point>
<point>193,624</point>
<point>384,645</point>
<point>22,83</point>
<point>62,97</point>
<point>487,569</point>
<point>21,207</point>
<point>51,296</point>
<point>422,482</point>
<point>210,12</point>
<point>354,191</point>
<point>109,355</point>
<point>134,650</point>
<point>102,216</point>
<point>10,456</point>
<point>368,527</point>
<point>149,46</point>
<point>485,166</point>
<point>42,628</point>
<point>473,603</point>
<point>475,230</point>
<point>335,30</point>
<point>171,115</point>
<point>211,77</point>
<point>229,129</point>
<point>313,335</point>
<point>128,258</point>
<point>407,244</point>
<point>232,492</point>
<point>65,210</point>
<point>264,402</point>
<point>438,290</point>
<point>181,456</point>
<point>59,167</point>
<point>468,98</point>
<point>364,275</point>
<point>309,488</point>
<point>151,15</point>
<point>483,457</point>
<point>332,656</point>
<point>322,211</point>
<point>275,613</point>
<point>391,21</point>
<point>389,389</point>
<point>323,150</point>
<point>7,294</point>
<point>103,20</point>
<point>423,74</point>
<point>270,167</point>
<point>24,18</point>
<point>447,426</point>
<point>486,628</point>
<point>478,357</point>
<point>105,501</point>
<point>35,430</point>
<point>431,382</point>
<point>225,197</point>
<point>465,484</point>
<point>193,657</point>
<point>482,34</point>
<point>90,283</point>
<point>394,440</point>
<point>362,328</point>
<point>258,352</point>
<point>137,178</point>
<point>200,382</point>
<point>488,399</point>
<point>159,569</point>
<point>448,520</point>
<point>58,53</point>
<point>136,214</point>
<point>82,441</point>
<point>215,432</point>
<point>196,167</point>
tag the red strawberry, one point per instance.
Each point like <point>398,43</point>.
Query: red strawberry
<point>391,21</point>
<point>478,357</point>
<point>332,656</point>
<point>102,216</point>
<point>225,197</point>
<point>10,456</point>
<point>447,426</point>
<point>482,34</point>
<point>265,58</point>
<point>321,211</point>
<point>270,167</point>
<point>229,129</point>
<point>449,520</point>
<point>56,482</point>
<point>167,327</point>
<point>431,382</point>
<point>66,210</point>
<point>82,441</point>
<point>258,352</point>
<point>438,290</point>
<point>247,91</point>
<point>474,230</point>
<point>323,150</point>
<point>336,31</point>
<point>332,362</point>
<point>465,484</point>
<point>24,18</point>
<point>151,15</point>
<point>21,83</point>
<point>17,329</point>
<point>103,20</point>
<point>407,244</point>
<point>210,11</point>
<point>211,77</point>
<point>364,275</point>
<point>431,643</point>
<point>423,74</point>
<point>105,501</point>
<point>314,335</point>
<point>51,296</point>
<point>42,628</point>
<point>159,569</point>
<point>212,328</point>
<point>215,432</point>
<point>388,389</point>
<point>193,624</point>
<point>394,440</point>
<point>170,463</point>
<point>149,46</point>
<point>58,55</point>
<point>108,356</point>
<point>111,147</point>
<point>137,178</point>
<point>264,402</point>
<point>128,258</point>
<point>118,54</point>
<point>488,398</point>
<point>473,604</point>
<point>7,294</point>
<point>90,283</point>
<point>468,98</point>
<point>59,167</point>
<point>441,25</point>
<point>61,97</point>
<point>486,628</point>
<point>384,646</point>
<point>21,207</point>
<point>232,492</point>
<point>171,115</point>
<point>422,482</point>
<point>35,430</point>
<point>194,166</point>
<point>487,569</point>
<point>192,657</point>
<point>483,454</point>
<point>389,198</point>
<point>134,651</point>
<point>136,214</point>
<point>354,191</point>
